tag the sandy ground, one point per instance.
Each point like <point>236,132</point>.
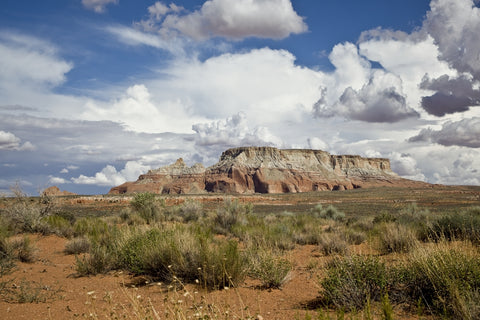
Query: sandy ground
<point>60,294</point>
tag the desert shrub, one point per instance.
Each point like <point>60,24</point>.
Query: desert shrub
<point>23,249</point>
<point>278,235</point>
<point>464,225</point>
<point>58,225</point>
<point>25,214</point>
<point>148,206</point>
<point>77,245</point>
<point>269,267</point>
<point>6,255</point>
<point>333,243</point>
<point>330,212</point>
<point>190,211</point>
<point>354,280</point>
<point>100,259</point>
<point>175,252</point>
<point>355,237</point>
<point>384,217</point>
<point>446,281</point>
<point>94,228</point>
<point>307,228</point>
<point>394,237</point>
<point>231,214</point>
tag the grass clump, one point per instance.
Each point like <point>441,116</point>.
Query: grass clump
<point>331,213</point>
<point>446,280</point>
<point>394,237</point>
<point>58,225</point>
<point>354,280</point>
<point>464,225</point>
<point>269,267</point>
<point>77,245</point>
<point>231,214</point>
<point>188,253</point>
<point>333,243</point>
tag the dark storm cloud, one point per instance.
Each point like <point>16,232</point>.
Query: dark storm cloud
<point>452,95</point>
<point>464,133</point>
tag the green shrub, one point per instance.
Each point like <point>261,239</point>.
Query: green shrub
<point>352,281</point>
<point>100,259</point>
<point>384,217</point>
<point>6,255</point>
<point>148,207</point>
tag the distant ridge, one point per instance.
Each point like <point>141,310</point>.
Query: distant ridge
<point>269,170</point>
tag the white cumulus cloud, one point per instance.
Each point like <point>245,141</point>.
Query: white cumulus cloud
<point>109,176</point>
<point>231,19</point>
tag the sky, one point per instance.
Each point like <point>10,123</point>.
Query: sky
<point>94,93</point>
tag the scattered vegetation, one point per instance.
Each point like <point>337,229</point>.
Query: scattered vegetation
<point>435,266</point>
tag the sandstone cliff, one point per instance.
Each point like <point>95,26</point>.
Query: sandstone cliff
<point>268,170</point>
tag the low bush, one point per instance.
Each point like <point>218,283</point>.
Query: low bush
<point>94,228</point>
<point>354,280</point>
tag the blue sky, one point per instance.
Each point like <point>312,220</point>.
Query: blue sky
<point>95,92</point>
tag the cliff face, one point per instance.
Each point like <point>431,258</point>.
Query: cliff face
<point>268,170</point>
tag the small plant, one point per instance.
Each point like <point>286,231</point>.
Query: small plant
<point>464,225</point>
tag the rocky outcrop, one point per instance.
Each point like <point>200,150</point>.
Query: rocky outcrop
<point>176,178</point>
<point>269,170</point>
<point>55,191</point>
